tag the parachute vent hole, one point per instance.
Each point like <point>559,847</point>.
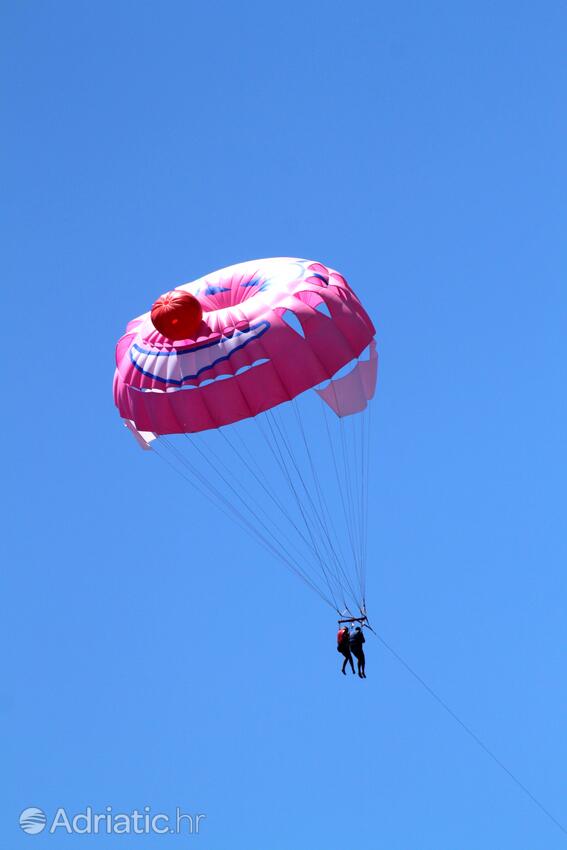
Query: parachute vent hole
<point>345,370</point>
<point>251,366</point>
<point>293,322</point>
<point>323,308</point>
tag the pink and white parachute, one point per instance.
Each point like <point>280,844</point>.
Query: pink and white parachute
<point>221,361</point>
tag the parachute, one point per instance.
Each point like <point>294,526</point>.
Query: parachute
<point>254,384</point>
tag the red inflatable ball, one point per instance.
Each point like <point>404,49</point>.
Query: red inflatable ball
<point>177,314</point>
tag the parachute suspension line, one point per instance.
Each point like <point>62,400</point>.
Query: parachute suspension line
<point>204,487</point>
<point>209,489</point>
<point>340,487</point>
<point>324,512</point>
<point>354,440</point>
<point>275,447</point>
<point>358,428</point>
<point>245,497</point>
<point>358,433</point>
<point>360,492</point>
<point>250,503</point>
<point>249,466</point>
<point>293,524</point>
<point>306,513</point>
<point>350,498</point>
<point>355,456</point>
<point>363,442</point>
<point>316,522</point>
<point>341,490</point>
<point>347,477</point>
<point>333,542</point>
<point>365,485</point>
<point>360,443</point>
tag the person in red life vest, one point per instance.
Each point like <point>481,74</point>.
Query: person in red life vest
<point>343,646</point>
<point>356,640</point>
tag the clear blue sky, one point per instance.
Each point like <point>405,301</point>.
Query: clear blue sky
<point>420,149</point>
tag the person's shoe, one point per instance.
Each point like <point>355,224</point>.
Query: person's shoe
<point>343,672</point>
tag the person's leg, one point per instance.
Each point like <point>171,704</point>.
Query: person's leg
<point>349,656</point>
<point>363,663</point>
<point>359,665</point>
<point>343,671</point>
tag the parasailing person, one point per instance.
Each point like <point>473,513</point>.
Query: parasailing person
<point>343,646</point>
<point>356,640</point>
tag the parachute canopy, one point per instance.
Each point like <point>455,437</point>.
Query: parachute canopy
<point>270,329</point>
<point>227,355</point>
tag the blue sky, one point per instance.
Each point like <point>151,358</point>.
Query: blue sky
<point>154,655</point>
